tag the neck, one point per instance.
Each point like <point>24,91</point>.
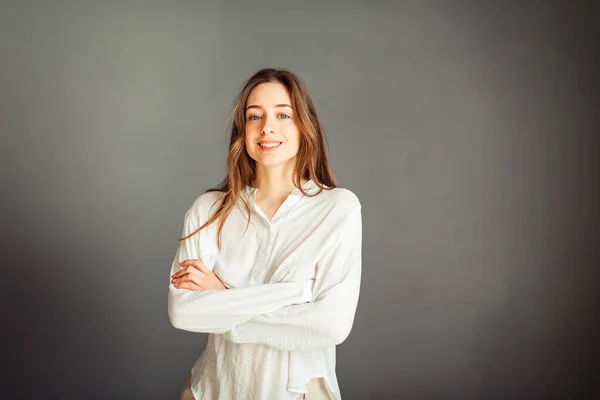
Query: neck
<point>274,182</point>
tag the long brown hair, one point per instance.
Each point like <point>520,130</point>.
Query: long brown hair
<point>311,160</point>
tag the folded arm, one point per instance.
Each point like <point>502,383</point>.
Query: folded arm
<point>216,311</point>
<point>328,320</point>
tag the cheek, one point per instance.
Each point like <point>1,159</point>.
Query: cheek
<point>249,137</point>
<point>294,138</point>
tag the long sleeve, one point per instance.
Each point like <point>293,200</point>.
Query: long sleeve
<point>328,320</point>
<point>216,311</point>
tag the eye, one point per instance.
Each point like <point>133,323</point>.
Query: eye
<point>254,117</point>
<point>284,116</point>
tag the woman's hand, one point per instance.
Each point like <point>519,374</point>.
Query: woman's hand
<point>196,276</point>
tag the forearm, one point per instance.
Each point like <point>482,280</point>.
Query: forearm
<point>307,326</point>
<point>328,320</point>
<point>216,311</point>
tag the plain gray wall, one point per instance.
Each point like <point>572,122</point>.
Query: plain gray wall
<point>467,130</point>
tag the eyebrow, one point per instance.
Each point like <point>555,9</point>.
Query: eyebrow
<point>276,106</point>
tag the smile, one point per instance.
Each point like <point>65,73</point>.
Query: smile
<point>269,146</point>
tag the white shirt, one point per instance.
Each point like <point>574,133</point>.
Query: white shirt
<point>294,286</point>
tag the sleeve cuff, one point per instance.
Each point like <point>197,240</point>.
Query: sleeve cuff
<point>307,296</point>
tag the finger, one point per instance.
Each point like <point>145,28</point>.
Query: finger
<point>190,263</point>
<point>188,280</point>
<point>186,270</point>
<point>196,264</point>
<point>176,275</point>
<point>203,268</point>
<point>189,286</point>
<point>192,285</point>
<point>193,274</point>
<point>181,273</point>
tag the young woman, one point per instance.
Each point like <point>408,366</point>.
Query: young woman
<point>270,260</point>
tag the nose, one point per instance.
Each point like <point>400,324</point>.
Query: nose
<point>267,126</point>
<point>267,130</point>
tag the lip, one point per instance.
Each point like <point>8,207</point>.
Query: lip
<point>267,149</point>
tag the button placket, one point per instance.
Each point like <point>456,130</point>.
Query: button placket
<point>267,250</point>
<point>264,253</point>
<point>268,233</point>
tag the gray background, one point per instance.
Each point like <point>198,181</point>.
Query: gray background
<point>467,130</point>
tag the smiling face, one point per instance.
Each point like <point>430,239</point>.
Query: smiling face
<point>272,136</point>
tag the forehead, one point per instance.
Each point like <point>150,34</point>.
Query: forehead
<point>268,94</point>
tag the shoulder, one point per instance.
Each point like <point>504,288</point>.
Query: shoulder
<point>342,210</point>
<point>342,199</point>
<point>337,206</point>
<point>205,204</point>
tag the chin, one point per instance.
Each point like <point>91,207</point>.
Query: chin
<point>273,163</point>
<point>270,163</point>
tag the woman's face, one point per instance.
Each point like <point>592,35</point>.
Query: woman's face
<point>272,136</point>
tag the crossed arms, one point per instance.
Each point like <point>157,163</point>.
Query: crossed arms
<point>282,315</point>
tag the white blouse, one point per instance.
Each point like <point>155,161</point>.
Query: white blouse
<point>294,286</point>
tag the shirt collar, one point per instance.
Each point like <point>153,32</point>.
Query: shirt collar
<point>309,186</point>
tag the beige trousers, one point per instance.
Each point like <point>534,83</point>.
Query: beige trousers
<point>316,390</point>
<point>187,391</point>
